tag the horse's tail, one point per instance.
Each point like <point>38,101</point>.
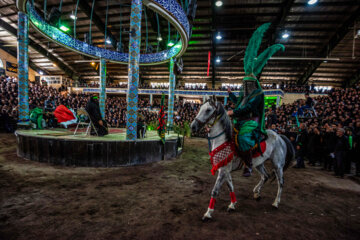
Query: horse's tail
<point>290,152</point>
<point>290,156</point>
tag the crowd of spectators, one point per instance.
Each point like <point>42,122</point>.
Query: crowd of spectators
<point>330,137</point>
<point>48,98</point>
<point>294,88</point>
<point>8,102</point>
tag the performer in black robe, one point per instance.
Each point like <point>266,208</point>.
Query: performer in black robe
<point>93,109</point>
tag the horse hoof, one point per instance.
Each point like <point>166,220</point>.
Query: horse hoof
<point>206,219</point>
<point>230,209</point>
<point>275,206</point>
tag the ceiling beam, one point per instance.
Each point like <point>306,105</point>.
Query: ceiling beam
<point>97,21</point>
<point>279,23</point>
<point>327,49</point>
<point>353,80</point>
<point>68,71</point>
<point>31,64</point>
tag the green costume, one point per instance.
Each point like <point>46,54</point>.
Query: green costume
<point>36,116</point>
<point>249,112</point>
<point>248,118</point>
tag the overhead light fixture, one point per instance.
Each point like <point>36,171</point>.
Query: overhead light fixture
<point>41,72</point>
<point>325,61</point>
<point>93,63</point>
<point>54,65</point>
<point>219,3</point>
<point>159,38</point>
<point>64,28</point>
<point>218,60</point>
<point>285,35</point>
<point>357,33</point>
<point>72,16</point>
<point>108,41</point>
<point>312,2</point>
<point>170,44</point>
<point>218,36</point>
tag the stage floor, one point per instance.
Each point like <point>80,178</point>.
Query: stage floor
<point>115,134</point>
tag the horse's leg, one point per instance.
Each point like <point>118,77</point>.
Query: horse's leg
<point>280,180</point>
<point>264,177</point>
<point>215,192</point>
<point>230,185</point>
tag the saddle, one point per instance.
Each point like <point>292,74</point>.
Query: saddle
<point>260,146</point>
<point>257,151</point>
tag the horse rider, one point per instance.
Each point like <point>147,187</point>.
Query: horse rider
<point>249,112</point>
<point>248,118</point>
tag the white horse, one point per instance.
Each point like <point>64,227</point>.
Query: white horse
<point>279,151</point>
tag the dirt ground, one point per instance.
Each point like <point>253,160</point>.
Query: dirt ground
<point>166,200</point>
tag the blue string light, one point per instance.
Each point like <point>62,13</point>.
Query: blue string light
<point>76,8</point>
<point>91,16</point>
<point>120,26</point>
<point>106,19</point>
<point>60,5</point>
<point>45,3</point>
<point>158,31</point>
<point>146,29</point>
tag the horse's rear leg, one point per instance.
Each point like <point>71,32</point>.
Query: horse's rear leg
<point>280,180</point>
<point>230,185</point>
<point>214,193</point>
<point>264,177</point>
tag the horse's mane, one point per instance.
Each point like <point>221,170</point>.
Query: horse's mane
<point>225,121</point>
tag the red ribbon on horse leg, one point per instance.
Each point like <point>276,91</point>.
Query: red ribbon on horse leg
<point>233,197</point>
<point>212,203</point>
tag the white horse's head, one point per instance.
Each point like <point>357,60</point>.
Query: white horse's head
<point>206,115</point>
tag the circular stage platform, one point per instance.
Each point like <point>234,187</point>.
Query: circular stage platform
<point>61,147</point>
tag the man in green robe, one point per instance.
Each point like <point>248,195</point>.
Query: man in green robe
<point>249,112</point>
<point>249,121</point>
<point>36,116</point>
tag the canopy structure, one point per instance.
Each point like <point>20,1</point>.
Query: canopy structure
<point>170,10</point>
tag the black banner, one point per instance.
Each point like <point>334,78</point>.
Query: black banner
<point>11,67</point>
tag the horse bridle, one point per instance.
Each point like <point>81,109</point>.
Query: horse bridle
<point>213,115</point>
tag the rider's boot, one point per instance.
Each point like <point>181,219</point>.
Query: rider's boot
<point>247,158</point>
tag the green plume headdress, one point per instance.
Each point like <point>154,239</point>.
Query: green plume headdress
<point>253,64</point>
